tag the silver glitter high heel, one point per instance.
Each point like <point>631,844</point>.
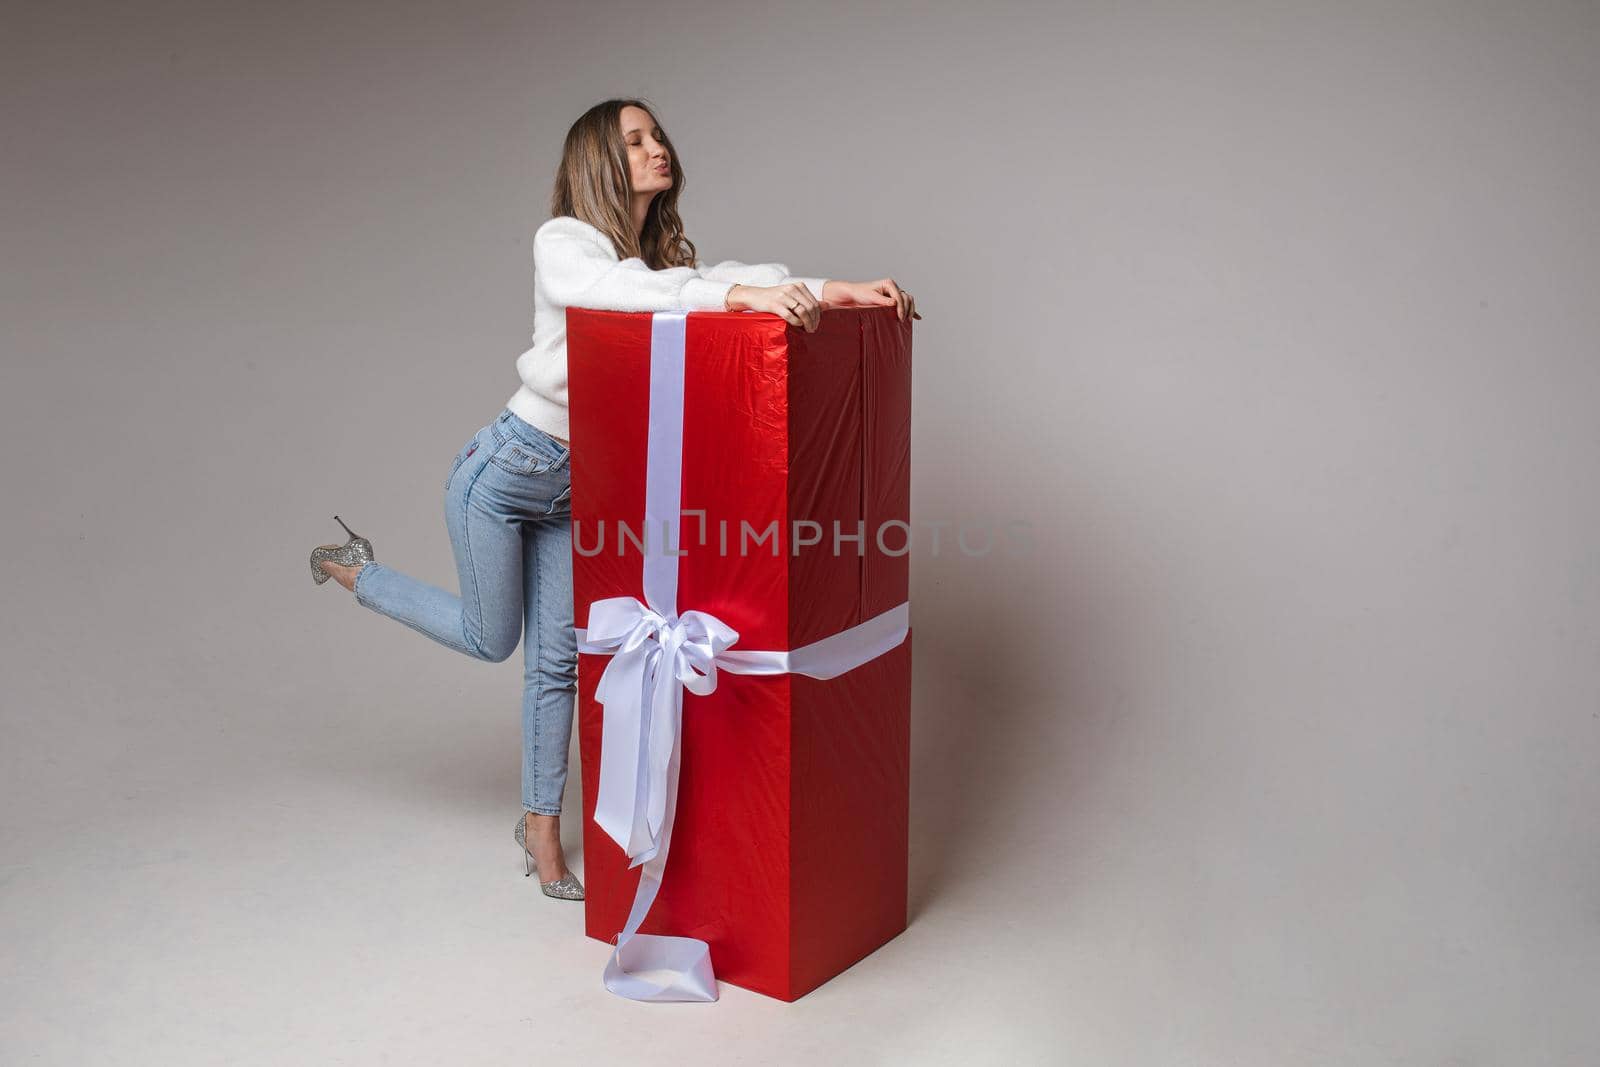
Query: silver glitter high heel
<point>568,888</point>
<point>356,550</point>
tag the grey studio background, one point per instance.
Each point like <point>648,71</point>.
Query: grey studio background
<point>1275,323</point>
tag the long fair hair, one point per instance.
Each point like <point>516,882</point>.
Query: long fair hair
<point>592,184</point>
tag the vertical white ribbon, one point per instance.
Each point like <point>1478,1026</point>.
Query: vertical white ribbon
<point>663,480</point>
<point>655,655</point>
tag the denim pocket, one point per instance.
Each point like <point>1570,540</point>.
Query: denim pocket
<point>517,456</point>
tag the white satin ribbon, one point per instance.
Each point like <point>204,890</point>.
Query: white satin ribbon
<point>655,655</point>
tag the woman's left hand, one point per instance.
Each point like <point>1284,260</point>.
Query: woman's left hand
<point>882,291</point>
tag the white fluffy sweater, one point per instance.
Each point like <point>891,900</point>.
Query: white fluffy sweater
<point>576,265</point>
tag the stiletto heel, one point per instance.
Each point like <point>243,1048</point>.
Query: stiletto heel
<point>356,550</point>
<point>568,888</point>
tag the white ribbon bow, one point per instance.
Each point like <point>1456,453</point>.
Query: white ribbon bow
<point>647,650</point>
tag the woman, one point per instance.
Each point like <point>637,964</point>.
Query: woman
<point>615,242</point>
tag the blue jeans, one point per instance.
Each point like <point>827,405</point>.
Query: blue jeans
<point>507,506</point>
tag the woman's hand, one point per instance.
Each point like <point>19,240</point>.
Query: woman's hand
<point>882,291</point>
<point>792,300</point>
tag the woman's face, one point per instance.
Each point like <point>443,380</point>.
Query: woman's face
<point>649,166</point>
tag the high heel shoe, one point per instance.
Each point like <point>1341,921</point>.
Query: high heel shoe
<point>568,888</point>
<point>356,550</point>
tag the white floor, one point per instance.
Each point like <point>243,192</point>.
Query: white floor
<point>297,859</point>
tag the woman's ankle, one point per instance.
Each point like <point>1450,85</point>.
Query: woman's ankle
<point>539,821</point>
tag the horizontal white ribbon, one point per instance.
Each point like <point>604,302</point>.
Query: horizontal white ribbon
<point>655,655</point>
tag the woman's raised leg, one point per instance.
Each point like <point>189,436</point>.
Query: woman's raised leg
<point>484,522</point>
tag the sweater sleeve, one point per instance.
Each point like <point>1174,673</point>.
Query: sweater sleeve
<point>765,274</point>
<point>731,270</point>
<point>578,268</point>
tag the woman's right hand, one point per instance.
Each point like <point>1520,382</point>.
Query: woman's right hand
<point>792,300</point>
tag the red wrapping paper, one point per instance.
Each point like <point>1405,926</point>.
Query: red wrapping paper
<point>789,848</point>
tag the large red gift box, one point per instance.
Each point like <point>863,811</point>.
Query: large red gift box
<point>788,849</point>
